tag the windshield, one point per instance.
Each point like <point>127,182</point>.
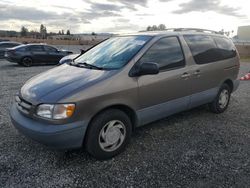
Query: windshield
<point>113,53</point>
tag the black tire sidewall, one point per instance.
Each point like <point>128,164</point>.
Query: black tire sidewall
<point>92,139</point>
<point>26,64</point>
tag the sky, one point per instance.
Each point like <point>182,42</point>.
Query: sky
<point>123,16</point>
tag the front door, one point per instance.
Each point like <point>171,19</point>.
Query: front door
<point>168,92</point>
<point>53,55</point>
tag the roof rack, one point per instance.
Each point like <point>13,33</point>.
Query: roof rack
<point>195,29</point>
<point>190,29</point>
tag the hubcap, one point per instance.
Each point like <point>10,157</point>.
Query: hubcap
<point>112,135</point>
<point>223,98</point>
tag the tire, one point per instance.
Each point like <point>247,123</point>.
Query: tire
<point>27,61</point>
<point>108,134</point>
<point>221,102</point>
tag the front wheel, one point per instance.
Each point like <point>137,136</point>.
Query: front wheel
<point>108,134</point>
<point>221,101</point>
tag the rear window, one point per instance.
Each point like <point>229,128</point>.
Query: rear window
<point>226,47</point>
<point>203,48</point>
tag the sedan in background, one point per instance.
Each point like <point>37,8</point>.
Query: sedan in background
<point>5,45</point>
<point>32,54</point>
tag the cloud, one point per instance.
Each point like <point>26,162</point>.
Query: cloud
<point>100,10</point>
<point>208,5</point>
<point>8,12</point>
<point>131,4</point>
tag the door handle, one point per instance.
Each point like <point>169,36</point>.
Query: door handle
<point>197,73</point>
<point>185,75</point>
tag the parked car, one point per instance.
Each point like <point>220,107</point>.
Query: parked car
<point>5,45</point>
<point>31,54</point>
<point>4,40</point>
<point>123,83</point>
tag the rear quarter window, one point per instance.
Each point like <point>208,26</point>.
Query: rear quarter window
<point>203,48</point>
<point>226,47</point>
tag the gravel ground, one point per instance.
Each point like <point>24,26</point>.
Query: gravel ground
<point>190,149</point>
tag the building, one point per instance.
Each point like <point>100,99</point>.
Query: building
<point>243,33</point>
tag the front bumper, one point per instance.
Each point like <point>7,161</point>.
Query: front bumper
<point>66,136</point>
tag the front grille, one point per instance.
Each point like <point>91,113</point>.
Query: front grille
<point>23,105</point>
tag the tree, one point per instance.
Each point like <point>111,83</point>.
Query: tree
<point>59,32</point>
<point>149,28</point>
<point>161,27</point>
<point>24,31</point>
<point>43,31</point>
<point>154,28</point>
<point>93,33</point>
<point>68,32</point>
<point>62,32</point>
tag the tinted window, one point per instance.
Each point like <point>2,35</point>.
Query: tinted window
<point>8,45</point>
<point>166,52</point>
<point>21,49</point>
<point>203,48</point>
<point>36,48</point>
<point>50,49</point>
<point>115,52</point>
<point>225,47</point>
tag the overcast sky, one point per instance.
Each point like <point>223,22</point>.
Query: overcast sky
<point>122,15</point>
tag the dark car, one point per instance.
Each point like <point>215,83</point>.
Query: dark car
<point>5,45</point>
<point>30,54</point>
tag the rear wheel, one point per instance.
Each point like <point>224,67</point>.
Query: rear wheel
<point>27,62</point>
<point>221,101</point>
<point>108,134</point>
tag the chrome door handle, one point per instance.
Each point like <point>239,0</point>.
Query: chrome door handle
<point>185,75</point>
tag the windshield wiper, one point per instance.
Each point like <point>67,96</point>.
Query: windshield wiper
<point>84,64</point>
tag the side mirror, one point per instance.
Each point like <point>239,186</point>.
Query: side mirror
<point>144,69</point>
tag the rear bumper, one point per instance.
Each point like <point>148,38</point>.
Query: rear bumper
<point>66,136</point>
<point>236,84</point>
<point>12,60</point>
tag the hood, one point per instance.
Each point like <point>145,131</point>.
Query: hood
<point>53,85</point>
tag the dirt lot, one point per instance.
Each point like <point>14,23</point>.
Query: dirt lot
<point>190,149</point>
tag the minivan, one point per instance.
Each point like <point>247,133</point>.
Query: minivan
<point>99,98</point>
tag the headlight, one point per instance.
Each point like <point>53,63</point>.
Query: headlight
<point>55,111</point>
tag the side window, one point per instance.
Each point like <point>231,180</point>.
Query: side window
<point>166,52</point>
<point>226,47</point>
<point>5,45</point>
<point>203,48</point>
<point>50,49</point>
<point>21,49</point>
<point>36,48</point>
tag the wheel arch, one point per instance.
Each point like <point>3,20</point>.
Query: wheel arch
<point>26,57</point>
<point>229,82</point>
<point>124,108</point>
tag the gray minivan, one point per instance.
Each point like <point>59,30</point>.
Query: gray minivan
<point>98,99</point>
